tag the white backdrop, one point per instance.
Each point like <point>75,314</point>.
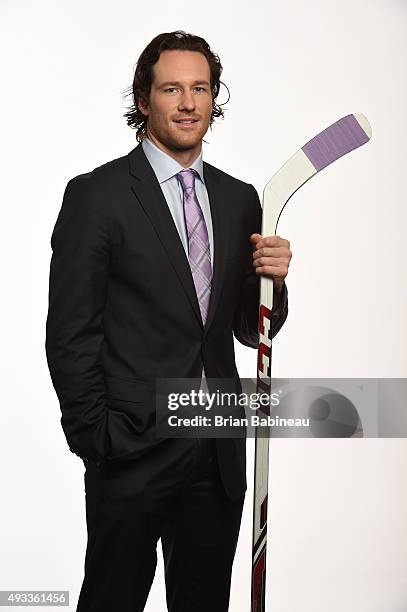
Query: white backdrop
<point>338,537</point>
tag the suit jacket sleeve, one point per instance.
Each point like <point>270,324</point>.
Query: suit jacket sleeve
<point>74,329</point>
<point>246,319</point>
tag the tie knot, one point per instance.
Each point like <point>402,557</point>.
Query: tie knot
<point>187,178</point>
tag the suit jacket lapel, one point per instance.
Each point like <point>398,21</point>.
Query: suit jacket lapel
<point>217,195</point>
<point>146,188</point>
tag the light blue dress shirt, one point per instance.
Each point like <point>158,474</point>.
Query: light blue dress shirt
<point>165,168</point>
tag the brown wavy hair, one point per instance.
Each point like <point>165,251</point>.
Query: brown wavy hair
<point>143,75</point>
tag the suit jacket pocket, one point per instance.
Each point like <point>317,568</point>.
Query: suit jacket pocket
<point>131,403</point>
<point>127,389</point>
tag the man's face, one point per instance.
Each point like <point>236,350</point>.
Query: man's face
<point>180,90</point>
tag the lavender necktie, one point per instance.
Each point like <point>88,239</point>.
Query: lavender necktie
<point>198,241</point>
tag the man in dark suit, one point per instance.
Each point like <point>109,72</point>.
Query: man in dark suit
<point>156,263</point>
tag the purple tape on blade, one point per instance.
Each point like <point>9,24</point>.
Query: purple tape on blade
<point>337,140</point>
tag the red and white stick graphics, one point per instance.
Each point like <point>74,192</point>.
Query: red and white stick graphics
<point>334,142</point>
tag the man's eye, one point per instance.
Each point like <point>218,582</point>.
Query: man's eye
<point>171,89</point>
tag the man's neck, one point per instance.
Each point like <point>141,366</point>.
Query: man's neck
<point>185,158</point>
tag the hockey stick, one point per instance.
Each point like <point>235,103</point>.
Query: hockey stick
<point>340,138</point>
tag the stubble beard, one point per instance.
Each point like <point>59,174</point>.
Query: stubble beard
<point>170,140</point>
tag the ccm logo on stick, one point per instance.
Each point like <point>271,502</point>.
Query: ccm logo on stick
<point>264,352</point>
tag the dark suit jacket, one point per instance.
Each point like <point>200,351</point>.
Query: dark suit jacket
<point>123,308</point>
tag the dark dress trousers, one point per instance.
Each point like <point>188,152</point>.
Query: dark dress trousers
<point>122,312</point>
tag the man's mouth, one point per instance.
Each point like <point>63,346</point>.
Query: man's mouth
<point>186,121</point>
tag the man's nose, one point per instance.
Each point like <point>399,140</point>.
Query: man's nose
<point>187,101</point>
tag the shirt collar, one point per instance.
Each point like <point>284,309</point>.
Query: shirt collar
<point>165,166</point>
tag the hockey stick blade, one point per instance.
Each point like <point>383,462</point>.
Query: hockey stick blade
<point>334,142</point>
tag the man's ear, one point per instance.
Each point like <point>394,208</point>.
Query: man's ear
<point>143,106</point>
